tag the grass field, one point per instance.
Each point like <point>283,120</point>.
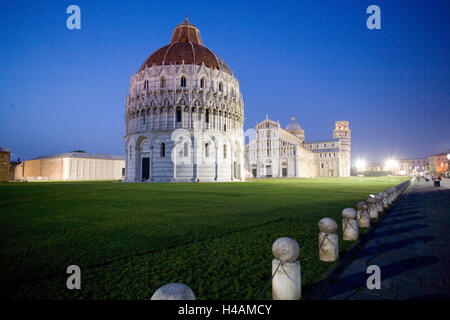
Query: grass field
<point>130,239</point>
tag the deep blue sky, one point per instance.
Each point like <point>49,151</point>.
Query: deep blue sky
<point>62,90</point>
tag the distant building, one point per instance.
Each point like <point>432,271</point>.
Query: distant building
<point>4,164</point>
<point>278,152</point>
<point>374,166</point>
<point>12,168</point>
<point>438,163</point>
<point>403,167</point>
<point>417,166</point>
<point>72,166</point>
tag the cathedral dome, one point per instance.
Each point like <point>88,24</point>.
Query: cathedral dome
<point>185,45</point>
<point>293,125</point>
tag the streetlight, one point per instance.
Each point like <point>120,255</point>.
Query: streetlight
<point>391,163</point>
<point>448,163</point>
<point>360,165</point>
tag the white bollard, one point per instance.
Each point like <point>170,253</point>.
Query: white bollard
<point>173,291</point>
<point>286,280</point>
<point>385,200</point>
<point>328,240</point>
<point>390,195</point>
<point>373,208</point>
<point>350,229</point>
<point>363,215</point>
<point>380,205</point>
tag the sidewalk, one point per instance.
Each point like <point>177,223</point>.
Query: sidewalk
<point>412,248</point>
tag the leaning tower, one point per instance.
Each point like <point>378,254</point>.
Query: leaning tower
<point>343,133</point>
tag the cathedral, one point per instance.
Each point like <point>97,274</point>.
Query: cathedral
<point>184,115</point>
<point>278,152</point>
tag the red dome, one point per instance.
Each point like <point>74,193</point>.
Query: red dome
<point>185,45</point>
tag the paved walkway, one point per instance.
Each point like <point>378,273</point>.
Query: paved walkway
<point>412,248</point>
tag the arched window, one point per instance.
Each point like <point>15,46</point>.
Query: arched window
<point>202,82</point>
<point>163,149</point>
<point>186,148</point>
<point>207,116</point>
<point>224,127</point>
<point>178,115</point>
<point>220,86</point>
<point>163,82</point>
<point>224,151</point>
<point>183,81</point>
<point>207,150</point>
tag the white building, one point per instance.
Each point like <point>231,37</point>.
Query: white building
<point>278,152</point>
<point>72,166</point>
<point>184,115</point>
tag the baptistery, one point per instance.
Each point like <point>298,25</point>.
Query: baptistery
<point>184,115</point>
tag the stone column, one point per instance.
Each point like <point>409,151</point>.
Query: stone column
<point>373,207</point>
<point>385,200</point>
<point>173,291</point>
<point>350,228</point>
<point>363,214</point>
<point>328,240</point>
<point>380,205</point>
<point>286,280</point>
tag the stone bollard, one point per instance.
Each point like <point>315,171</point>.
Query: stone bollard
<point>363,215</point>
<point>390,193</point>
<point>398,191</point>
<point>385,200</point>
<point>373,208</point>
<point>394,192</point>
<point>380,206</point>
<point>388,197</point>
<point>286,280</point>
<point>173,291</point>
<point>350,229</point>
<point>328,240</point>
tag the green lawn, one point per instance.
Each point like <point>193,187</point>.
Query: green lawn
<point>130,239</point>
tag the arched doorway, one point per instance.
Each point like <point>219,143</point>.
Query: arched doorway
<point>143,159</point>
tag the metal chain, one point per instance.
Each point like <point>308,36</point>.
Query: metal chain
<point>268,282</point>
<point>325,237</point>
<point>347,223</point>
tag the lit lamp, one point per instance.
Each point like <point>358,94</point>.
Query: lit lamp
<point>360,165</point>
<point>391,164</point>
<point>448,160</point>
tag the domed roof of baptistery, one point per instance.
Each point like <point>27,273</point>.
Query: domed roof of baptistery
<point>293,125</point>
<point>185,45</point>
